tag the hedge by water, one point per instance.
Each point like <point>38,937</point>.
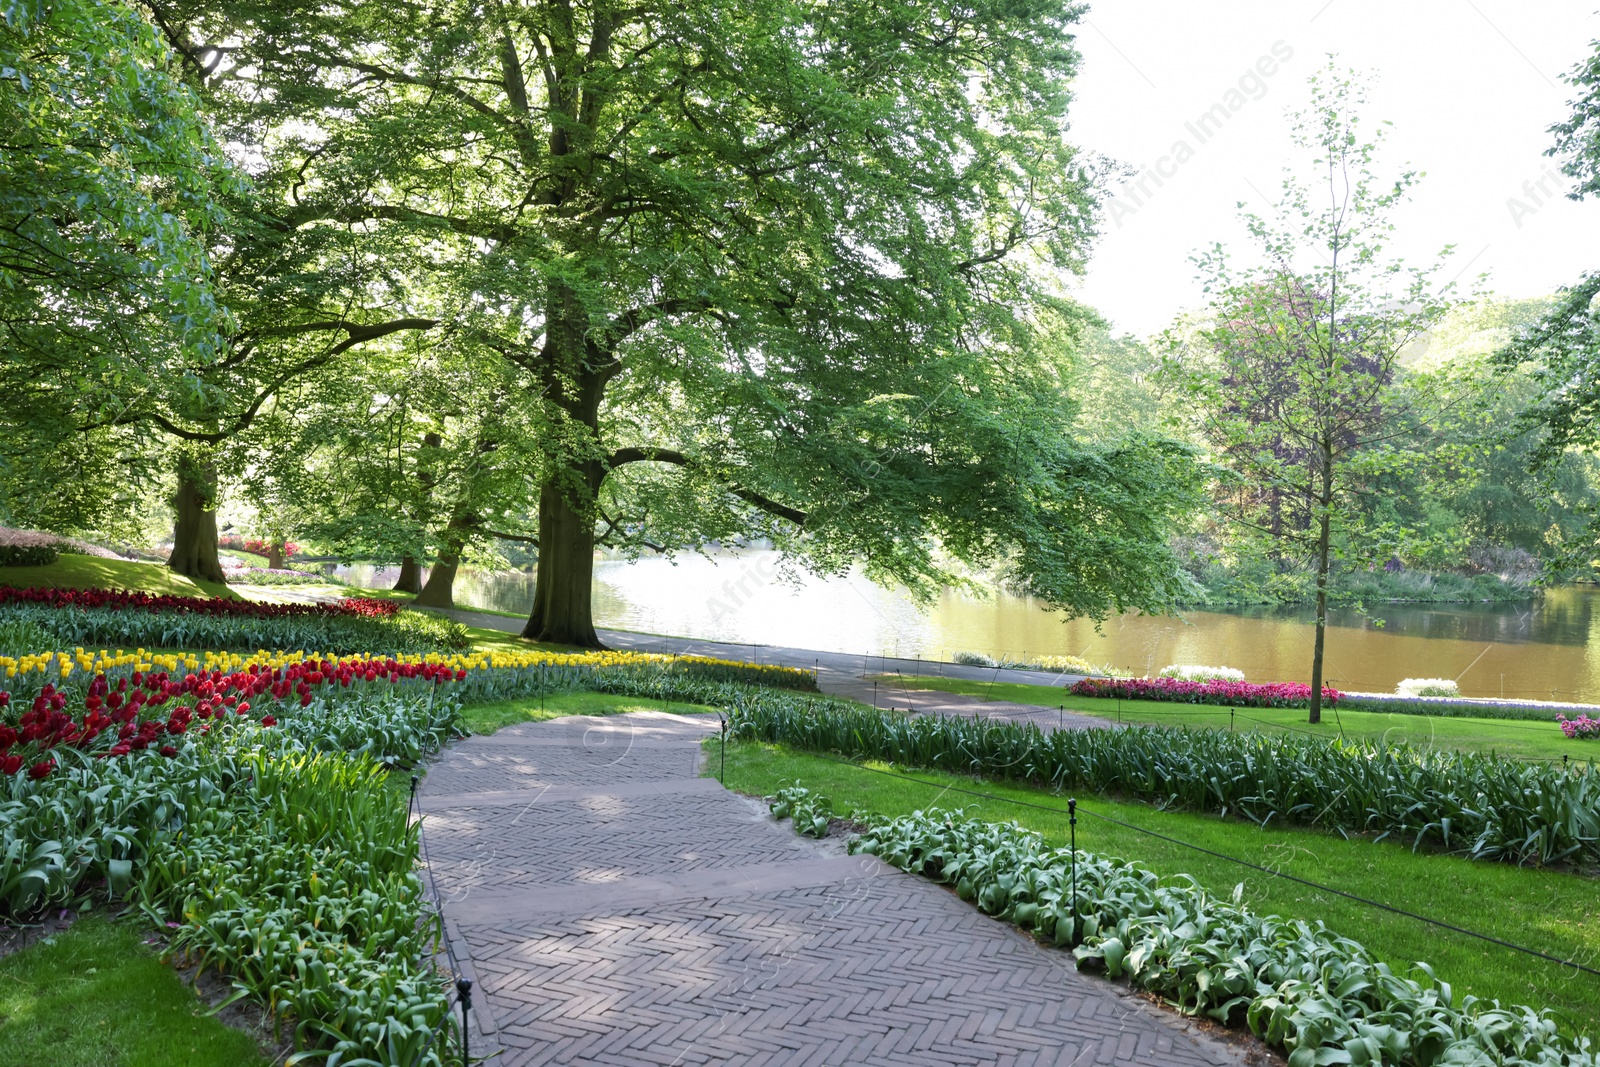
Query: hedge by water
<point>1480,806</point>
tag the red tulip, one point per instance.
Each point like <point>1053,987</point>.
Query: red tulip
<point>42,768</point>
<point>168,751</point>
<point>268,720</point>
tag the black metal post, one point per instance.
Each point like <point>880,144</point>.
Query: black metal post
<point>722,775</point>
<point>411,808</point>
<point>874,692</point>
<point>1061,717</point>
<point>464,991</point>
<point>1230,718</point>
<point>1072,828</point>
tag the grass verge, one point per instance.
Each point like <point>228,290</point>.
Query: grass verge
<point>97,996</point>
<point>1529,740</point>
<point>95,572</point>
<point>1553,912</point>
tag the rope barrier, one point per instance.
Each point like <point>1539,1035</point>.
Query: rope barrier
<point>462,984</point>
<point>1076,807</point>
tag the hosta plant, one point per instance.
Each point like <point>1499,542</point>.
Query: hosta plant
<point>1322,998</point>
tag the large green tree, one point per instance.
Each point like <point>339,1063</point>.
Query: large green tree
<point>109,186</point>
<point>780,267</point>
<point>1562,350</point>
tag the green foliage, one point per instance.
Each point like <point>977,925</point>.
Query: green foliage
<point>774,270</point>
<point>27,555</point>
<point>1297,985</point>
<point>809,812</point>
<point>1258,581</point>
<point>282,854</point>
<point>70,627</point>
<point>304,892</point>
<point>109,178</point>
<point>1480,806</point>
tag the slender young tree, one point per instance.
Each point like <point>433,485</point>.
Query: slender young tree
<point>1293,371</point>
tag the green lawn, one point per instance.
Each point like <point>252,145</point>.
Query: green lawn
<point>1505,736</point>
<point>487,718</point>
<point>1551,911</point>
<point>96,996</point>
<point>93,572</point>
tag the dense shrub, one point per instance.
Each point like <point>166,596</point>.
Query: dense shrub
<point>1480,806</point>
<point>1428,687</point>
<point>1064,664</point>
<point>1186,672</point>
<point>1322,998</point>
<point>27,555</point>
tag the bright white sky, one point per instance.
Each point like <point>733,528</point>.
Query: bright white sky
<point>1469,85</point>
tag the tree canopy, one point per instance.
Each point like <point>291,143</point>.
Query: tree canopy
<point>778,269</point>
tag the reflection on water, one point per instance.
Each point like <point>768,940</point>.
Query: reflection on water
<point>1548,647</point>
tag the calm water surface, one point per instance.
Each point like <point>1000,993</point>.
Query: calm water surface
<point>1548,647</point>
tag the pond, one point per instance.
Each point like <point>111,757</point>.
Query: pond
<point>1547,648</point>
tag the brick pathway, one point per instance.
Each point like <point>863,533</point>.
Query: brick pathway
<point>618,909</point>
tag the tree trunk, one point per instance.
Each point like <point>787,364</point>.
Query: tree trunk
<point>410,580</point>
<point>562,613</point>
<point>575,375</point>
<point>275,555</point>
<point>440,590</point>
<point>194,532</point>
<point>1326,509</point>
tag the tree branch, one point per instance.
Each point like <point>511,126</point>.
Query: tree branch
<point>650,454</point>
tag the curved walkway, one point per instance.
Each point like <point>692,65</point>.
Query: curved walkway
<point>619,909</point>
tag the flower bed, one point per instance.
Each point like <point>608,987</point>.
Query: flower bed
<point>122,600</point>
<point>1484,807</point>
<point>1235,694</point>
<point>11,538</point>
<point>255,545</point>
<point>1460,707</point>
<point>90,617</point>
<point>265,836</point>
<point>1582,728</point>
<point>1298,986</point>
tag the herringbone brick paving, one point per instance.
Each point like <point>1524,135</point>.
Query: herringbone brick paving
<point>628,923</point>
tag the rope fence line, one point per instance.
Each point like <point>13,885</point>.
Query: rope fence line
<point>1076,807</point>
<point>461,984</point>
